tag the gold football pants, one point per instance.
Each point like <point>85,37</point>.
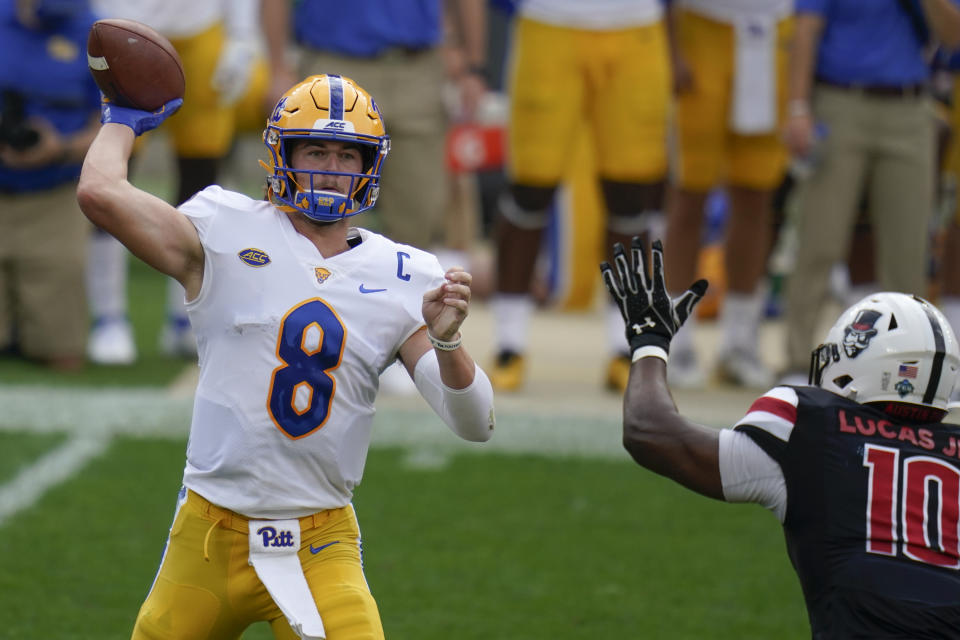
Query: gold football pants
<point>205,587</point>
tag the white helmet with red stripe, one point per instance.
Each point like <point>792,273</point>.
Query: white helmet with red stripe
<point>894,349</point>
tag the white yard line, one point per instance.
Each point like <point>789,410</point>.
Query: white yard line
<point>92,417</point>
<point>56,466</point>
<point>572,422</point>
<point>410,425</point>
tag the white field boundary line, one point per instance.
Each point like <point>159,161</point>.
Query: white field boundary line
<point>548,429</point>
<point>93,417</point>
<point>56,466</point>
<point>143,412</point>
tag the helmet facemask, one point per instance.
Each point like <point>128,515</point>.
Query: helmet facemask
<point>329,108</point>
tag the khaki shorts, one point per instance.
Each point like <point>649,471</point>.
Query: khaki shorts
<point>205,587</point>
<point>709,152</point>
<point>615,84</point>
<point>408,88</point>
<point>43,253</point>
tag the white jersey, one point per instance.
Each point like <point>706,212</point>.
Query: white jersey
<point>733,10</point>
<point>291,346</point>
<point>172,18</point>
<point>600,15</point>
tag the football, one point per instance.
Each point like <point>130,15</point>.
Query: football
<point>133,65</point>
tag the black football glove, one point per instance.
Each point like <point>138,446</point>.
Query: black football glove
<point>652,318</point>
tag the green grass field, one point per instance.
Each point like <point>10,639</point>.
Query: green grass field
<point>548,532</point>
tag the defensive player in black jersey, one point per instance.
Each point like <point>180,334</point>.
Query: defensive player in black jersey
<point>858,466</point>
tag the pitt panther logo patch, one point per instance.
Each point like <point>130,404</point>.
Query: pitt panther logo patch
<point>857,334</point>
<point>322,274</point>
<point>254,257</point>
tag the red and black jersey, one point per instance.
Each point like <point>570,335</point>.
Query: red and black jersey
<point>872,522</point>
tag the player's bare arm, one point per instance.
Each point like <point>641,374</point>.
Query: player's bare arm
<point>133,103</point>
<point>662,440</point>
<point>654,432</point>
<point>149,227</point>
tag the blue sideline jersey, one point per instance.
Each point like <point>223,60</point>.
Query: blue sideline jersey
<point>368,28</point>
<point>48,69</point>
<point>868,43</point>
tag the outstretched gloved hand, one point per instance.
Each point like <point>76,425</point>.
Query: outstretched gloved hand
<point>652,317</point>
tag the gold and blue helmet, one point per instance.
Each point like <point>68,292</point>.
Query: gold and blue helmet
<point>325,107</point>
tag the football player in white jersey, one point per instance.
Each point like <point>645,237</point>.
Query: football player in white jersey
<point>296,314</point>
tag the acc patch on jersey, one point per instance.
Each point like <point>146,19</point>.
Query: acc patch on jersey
<point>322,274</point>
<point>254,257</point>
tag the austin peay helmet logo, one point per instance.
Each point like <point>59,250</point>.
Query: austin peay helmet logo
<point>254,257</point>
<point>857,334</point>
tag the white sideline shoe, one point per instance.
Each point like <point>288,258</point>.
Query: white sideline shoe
<point>794,379</point>
<point>684,372</point>
<point>743,368</point>
<point>177,339</point>
<point>111,342</point>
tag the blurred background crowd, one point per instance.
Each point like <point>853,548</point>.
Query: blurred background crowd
<point>793,152</point>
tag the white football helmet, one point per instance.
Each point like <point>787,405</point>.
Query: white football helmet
<point>889,347</point>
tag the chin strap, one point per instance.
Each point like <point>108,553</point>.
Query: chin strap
<point>324,202</point>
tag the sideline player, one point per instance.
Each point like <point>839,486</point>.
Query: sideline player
<point>858,466</point>
<point>604,66</point>
<point>730,65</point>
<point>296,315</point>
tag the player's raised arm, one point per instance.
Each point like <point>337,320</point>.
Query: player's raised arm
<point>151,228</point>
<point>654,432</point>
<point>136,102</point>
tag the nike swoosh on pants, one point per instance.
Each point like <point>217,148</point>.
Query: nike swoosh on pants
<point>316,550</point>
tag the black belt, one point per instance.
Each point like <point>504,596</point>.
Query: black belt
<point>879,91</point>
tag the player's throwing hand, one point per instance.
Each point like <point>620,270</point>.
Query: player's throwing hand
<point>651,316</point>
<point>137,119</point>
